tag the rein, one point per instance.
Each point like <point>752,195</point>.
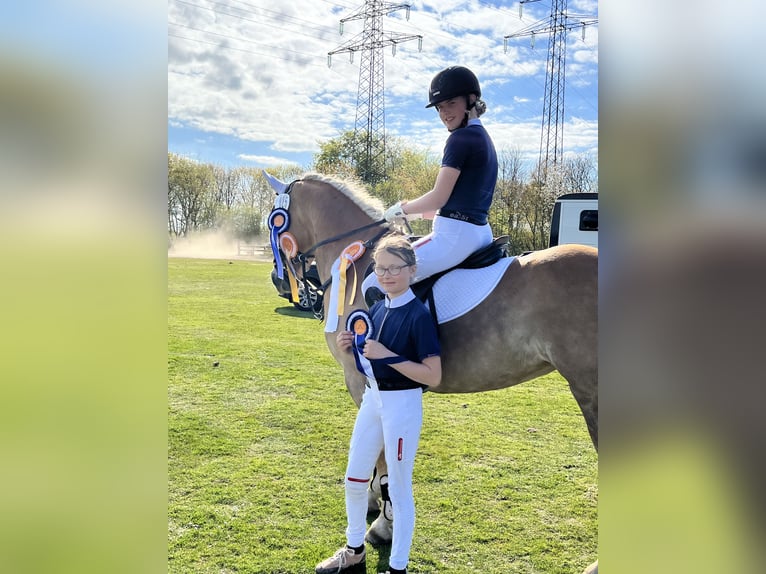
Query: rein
<point>334,238</point>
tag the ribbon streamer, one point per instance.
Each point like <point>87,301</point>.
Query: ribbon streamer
<point>331,324</point>
<point>348,256</point>
<point>360,324</point>
<point>345,262</point>
<point>289,246</point>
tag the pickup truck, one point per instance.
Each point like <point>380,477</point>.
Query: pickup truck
<point>575,219</point>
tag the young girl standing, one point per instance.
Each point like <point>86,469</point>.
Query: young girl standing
<point>404,357</point>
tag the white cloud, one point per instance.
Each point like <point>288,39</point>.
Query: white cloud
<point>264,160</point>
<point>259,72</point>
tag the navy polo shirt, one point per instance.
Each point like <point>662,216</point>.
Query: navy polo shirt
<point>471,151</point>
<point>405,327</point>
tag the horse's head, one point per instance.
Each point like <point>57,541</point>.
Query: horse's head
<point>318,216</point>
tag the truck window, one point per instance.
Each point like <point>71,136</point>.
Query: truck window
<point>589,220</point>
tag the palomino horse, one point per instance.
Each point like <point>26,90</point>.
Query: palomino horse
<point>540,317</point>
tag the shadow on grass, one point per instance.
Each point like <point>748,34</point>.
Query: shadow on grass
<point>384,555</point>
<point>383,550</point>
<point>294,312</point>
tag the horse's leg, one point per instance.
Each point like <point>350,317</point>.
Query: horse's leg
<point>583,383</point>
<point>572,337</point>
<point>382,528</point>
<point>373,494</point>
<point>585,391</point>
<point>578,366</point>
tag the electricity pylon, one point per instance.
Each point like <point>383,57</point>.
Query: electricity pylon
<point>370,122</point>
<point>558,24</point>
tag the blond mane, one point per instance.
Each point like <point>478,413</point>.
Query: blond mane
<point>372,206</point>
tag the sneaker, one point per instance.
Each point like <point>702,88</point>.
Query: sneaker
<point>343,561</point>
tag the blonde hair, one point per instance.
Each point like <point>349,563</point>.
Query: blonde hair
<point>396,245</point>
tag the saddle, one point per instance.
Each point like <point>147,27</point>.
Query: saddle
<point>423,290</point>
<point>484,257</point>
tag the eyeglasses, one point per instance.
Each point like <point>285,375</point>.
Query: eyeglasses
<point>394,270</point>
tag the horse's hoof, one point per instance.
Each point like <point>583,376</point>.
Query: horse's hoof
<point>381,532</point>
<point>592,569</point>
<point>372,538</point>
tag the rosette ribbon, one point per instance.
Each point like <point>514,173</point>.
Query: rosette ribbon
<point>347,258</point>
<point>338,284</point>
<point>289,246</point>
<point>279,221</point>
<point>360,324</point>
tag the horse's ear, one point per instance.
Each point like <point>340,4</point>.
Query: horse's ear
<point>278,186</point>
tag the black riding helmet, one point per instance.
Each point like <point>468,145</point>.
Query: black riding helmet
<point>452,82</point>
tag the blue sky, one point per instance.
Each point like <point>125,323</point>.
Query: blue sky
<point>249,84</point>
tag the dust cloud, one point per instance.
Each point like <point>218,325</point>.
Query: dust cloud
<point>217,245</point>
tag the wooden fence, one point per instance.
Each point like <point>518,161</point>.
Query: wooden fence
<point>253,249</point>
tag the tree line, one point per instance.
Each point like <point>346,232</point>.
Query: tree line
<point>237,201</point>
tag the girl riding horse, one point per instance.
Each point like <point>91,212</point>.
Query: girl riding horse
<point>462,194</point>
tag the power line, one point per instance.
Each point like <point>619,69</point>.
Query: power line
<point>254,21</point>
<point>370,123</point>
<point>267,55</point>
<point>557,26</point>
<point>239,39</point>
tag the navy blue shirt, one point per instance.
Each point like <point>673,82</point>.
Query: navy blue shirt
<point>471,151</point>
<point>405,327</point>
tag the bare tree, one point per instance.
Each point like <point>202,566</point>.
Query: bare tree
<point>174,205</point>
<point>507,211</point>
<point>203,196</point>
<point>580,175</point>
<point>255,198</point>
<point>539,199</point>
<point>251,204</point>
<point>226,185</point>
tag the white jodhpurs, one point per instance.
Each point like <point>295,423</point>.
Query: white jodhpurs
<point>450,242</point>
<point>394,425</point>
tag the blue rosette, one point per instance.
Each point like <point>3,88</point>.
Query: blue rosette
<point>360,324</point>
<point>279,221</point>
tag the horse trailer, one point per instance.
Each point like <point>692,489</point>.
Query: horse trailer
<point>575,220</point>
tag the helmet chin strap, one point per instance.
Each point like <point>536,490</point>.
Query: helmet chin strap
<point>471,105</point>
<point>462,124</point>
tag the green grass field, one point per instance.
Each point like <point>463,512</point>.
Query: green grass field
<point>259,421</point>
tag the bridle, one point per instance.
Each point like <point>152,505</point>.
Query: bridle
<point>304,258</point>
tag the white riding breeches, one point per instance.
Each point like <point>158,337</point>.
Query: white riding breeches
<point>450,242</point>
<point>393,424</point>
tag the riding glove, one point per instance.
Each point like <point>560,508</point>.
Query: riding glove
<point>394,212</point>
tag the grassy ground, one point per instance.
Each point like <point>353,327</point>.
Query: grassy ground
<point>259,421</point>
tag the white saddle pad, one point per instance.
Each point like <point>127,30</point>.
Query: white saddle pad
<point>461,290</point>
